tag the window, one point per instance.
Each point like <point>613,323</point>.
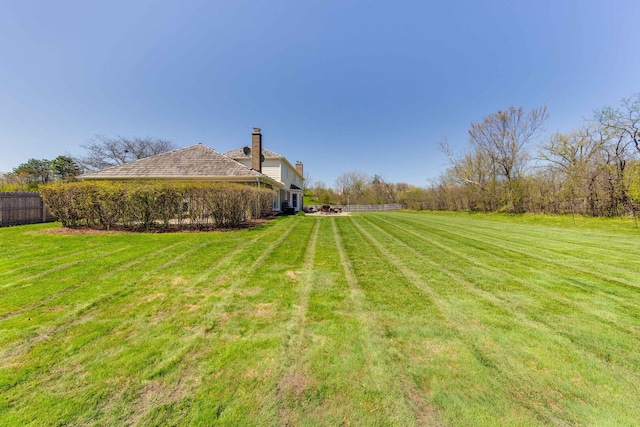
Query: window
<point>295,200</point>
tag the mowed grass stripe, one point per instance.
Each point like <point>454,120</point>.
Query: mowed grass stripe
<point>217,254</point>
<point>26,245</point>
<point>553,277</point>
<point>468,334</point>
<point>59,267</point>
<point>563,241</point>
<point>16,295</point>
<point>71,318</point>
<point>141,259</point>
<point>602,252</point>
<point>600,239</point>
<point>15,266</point>
<point>528,256</point>
<point>426,333</point>
<point>249,315</point>
<point>508,283</point>
<point>292,370</point>
<point>80,276</point>
<point>590,328</point>
<point>115,330</point>
<point>87,290</point>
<point>403,403</point>
<point>494,324</point>
<point>446,266</point>
<point>207,319</point>
<point>542,250</point>
<point>304,278</point>
<point>608,327</point>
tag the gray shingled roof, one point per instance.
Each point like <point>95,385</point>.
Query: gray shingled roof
<point>193,162</point>
<point>239,154</point>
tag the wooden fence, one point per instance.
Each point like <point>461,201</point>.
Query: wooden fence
<point>371,208</point>
<point>365,208</point>
<point>23,208</point>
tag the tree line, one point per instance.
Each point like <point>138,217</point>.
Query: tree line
<point>593,170</point>
<point>358,188</point>
<point>509,166</point>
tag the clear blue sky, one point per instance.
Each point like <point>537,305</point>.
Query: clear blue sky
<point>344,85</point>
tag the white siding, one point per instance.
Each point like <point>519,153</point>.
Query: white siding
<point>288,176</point>
<point>246,162</point>
<point>271,168</point>
<point>280,171</point>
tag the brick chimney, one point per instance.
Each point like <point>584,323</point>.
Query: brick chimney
<point>256,150</point>
<point>299,169</point>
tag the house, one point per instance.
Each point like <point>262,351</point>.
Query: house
<point>201,163</point>
<point>275,166</point>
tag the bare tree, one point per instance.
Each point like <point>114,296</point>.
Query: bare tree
<point>594,170</point>
<point>578,158</point>
<point>103,152</point>
<point>503,138</point>
<point>622,123</point>
<point>381,191</point>
<point>476,173</point>
<point>308,179</point>
<point>352,186</point>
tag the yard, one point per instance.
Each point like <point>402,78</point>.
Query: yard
<point>391,318</point>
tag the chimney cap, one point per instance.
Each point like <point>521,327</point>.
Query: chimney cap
<point>256,130</point>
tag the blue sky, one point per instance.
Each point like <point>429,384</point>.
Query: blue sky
<point>369,86</point>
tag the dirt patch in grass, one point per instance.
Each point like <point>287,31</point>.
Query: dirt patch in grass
<point>290,389</point>
<point>292,275</point>
<point>149,298</point>
<point>158,393</point>
<point>152,395</point>
<point>64,231</point>
<point>179,281</point>
<point>249,292</point>
<point>294,382</point>
<point>425,412</point>
<point>264,310</point>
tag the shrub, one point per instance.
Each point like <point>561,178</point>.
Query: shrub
<point>147,204</point>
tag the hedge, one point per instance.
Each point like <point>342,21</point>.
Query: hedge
<point>152,204</point>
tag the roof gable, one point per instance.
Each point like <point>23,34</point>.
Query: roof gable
<point>193,162</point>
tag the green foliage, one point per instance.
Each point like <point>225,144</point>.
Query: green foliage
<point>10,183</point>
<point>633,180</point>
<point>65,168</point>
<point>30,175</point>
<point>145,205</point>
<point>34,172</point>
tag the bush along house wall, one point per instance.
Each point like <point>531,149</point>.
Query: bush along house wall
<point>156,204</point>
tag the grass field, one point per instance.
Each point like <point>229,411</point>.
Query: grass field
<point>375,319</point>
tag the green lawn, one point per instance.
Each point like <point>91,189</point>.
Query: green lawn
<point>392,318</point>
